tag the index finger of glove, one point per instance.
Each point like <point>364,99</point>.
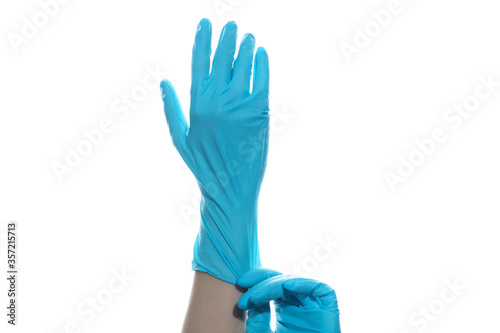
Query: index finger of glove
<point>263,292</point>
<point>251,278</point>
<point>200,65</point>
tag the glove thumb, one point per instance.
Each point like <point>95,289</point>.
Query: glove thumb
<point>175,116</point>
<point>259,319</point>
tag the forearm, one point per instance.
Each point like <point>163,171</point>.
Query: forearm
<point>213,306</point>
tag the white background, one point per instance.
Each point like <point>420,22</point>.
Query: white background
<point>347,123</point>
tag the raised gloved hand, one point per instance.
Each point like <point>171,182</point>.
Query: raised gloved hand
<point>302,305</point>
<point>225,146</point>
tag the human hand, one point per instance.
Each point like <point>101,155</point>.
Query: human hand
<point>302,305</point>
<point>225,146</point>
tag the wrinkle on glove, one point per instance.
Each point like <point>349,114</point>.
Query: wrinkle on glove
<point>225,146</point>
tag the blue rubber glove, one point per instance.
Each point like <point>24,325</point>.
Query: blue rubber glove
<point>225,146</point>
<point>302,305</point>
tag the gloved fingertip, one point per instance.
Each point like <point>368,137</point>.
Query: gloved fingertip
<point>254,300</point>
<point>165,85</point>
<point>204,21</point>
<point>289,284</point>
<point>238,282</point>
<point>243,284</point>
<point>243,303</point>
<point>249,36</point>
<point>261,51</point>
<point>242,280</point>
